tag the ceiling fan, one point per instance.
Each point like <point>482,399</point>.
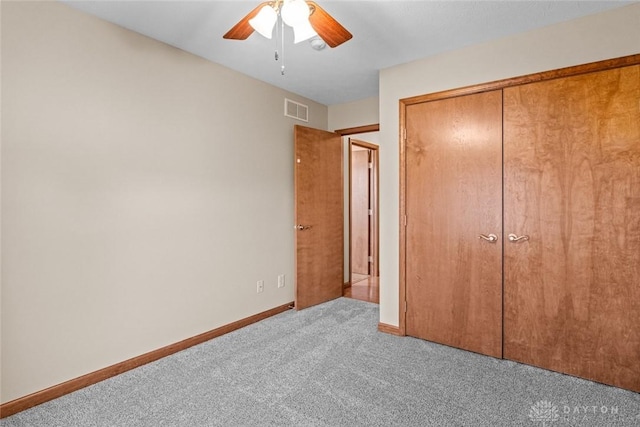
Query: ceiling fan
<point>306,17</point>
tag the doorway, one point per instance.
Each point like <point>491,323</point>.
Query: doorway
<point>323,216</point>
<point>363,243</point>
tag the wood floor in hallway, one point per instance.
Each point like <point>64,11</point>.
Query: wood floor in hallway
<point>365,290</point>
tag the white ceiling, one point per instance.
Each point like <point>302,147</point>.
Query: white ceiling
<point>385,33</point>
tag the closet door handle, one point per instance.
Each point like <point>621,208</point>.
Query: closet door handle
<point>515,239</point>
<point>491,238</point>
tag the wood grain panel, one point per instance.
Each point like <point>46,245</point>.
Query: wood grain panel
<point>572,183</point>
<point>359,211</point>
<point>319,201</point>
<point>330,30</point>
<point>453,194</point>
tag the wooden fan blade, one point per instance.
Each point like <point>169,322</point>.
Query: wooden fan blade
<point>327,28</point>
<point>243,29</point>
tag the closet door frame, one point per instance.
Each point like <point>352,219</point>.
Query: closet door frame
<point>468,90</point>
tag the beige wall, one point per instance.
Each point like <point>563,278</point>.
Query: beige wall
<point>353,114</point>
<point>144,192</point>
<point>607,35</point>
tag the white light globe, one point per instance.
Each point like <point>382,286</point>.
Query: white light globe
<point>264,21</point>
<point>294,11</point>
<point>303,31</point>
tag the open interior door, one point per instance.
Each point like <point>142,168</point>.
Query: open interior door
<point>319,215</point>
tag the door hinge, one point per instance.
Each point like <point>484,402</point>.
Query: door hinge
<point>370,165</point>
<point>370,212</point>
<point>405,220</point>
<point>370,258</point>
<point>404,134</point>
<point>405,306</point>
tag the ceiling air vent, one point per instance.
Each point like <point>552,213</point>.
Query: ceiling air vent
<point>296,110</point>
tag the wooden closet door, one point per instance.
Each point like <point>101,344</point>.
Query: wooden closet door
<point>572,184</point>
<point>454,194</point>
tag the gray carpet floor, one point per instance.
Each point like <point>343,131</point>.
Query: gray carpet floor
<point>329,366</point>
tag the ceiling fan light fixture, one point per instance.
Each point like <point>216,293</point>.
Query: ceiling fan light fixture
<point>294,12</point>
<point>265,21</point>
<point>308,20</point>
<point>331,31</point>
<point>303,31</point>
<point>317,43</point>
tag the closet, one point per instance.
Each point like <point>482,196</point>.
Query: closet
<point>522,207</point>
<point>453,195</point>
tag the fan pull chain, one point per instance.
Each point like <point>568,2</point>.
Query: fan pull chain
<point>282,39</point>
<point>277,55</point>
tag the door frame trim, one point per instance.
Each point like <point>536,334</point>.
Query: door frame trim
<point>358,129</point>
<point>469,90</point>
<point>375,267</point>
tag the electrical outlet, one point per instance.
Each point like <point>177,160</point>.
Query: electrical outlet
<point>281,281</point>
<point>260,287</point>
